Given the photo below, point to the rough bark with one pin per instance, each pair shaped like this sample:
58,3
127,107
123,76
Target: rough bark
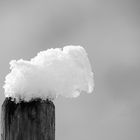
34,120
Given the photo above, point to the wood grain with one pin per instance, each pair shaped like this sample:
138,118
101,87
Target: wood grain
34,120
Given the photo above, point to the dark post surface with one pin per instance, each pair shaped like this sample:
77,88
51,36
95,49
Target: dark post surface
34,120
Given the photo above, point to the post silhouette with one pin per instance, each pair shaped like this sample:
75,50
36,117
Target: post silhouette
33,120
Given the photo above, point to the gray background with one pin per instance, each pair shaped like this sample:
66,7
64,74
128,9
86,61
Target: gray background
110,32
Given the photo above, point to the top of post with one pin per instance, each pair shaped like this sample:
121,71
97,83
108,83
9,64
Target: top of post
66,72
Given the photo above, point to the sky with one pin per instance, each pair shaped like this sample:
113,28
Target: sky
109,31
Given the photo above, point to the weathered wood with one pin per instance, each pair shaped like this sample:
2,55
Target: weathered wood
34,120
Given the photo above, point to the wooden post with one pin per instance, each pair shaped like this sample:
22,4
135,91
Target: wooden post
33,120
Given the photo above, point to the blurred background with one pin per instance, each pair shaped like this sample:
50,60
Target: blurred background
110,32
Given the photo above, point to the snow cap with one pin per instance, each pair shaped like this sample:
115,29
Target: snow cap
66,72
